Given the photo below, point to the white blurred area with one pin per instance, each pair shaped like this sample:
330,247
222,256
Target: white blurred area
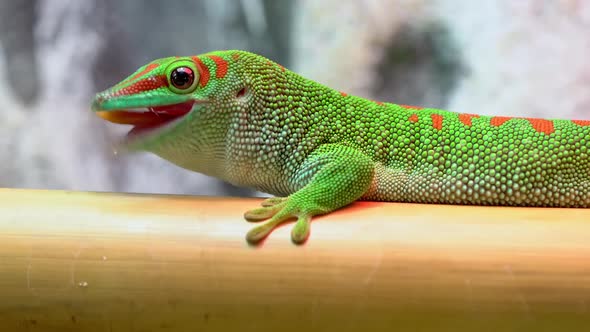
523,58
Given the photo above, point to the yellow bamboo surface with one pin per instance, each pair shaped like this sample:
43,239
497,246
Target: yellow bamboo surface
75,261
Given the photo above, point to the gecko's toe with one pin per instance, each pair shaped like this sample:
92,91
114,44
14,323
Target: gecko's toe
269,209
278,211
301,230
257,234
272,201
259,214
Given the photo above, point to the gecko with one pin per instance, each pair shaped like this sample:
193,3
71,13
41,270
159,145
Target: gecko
247,120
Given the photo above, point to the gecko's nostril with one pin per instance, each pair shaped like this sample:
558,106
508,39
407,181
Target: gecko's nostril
97,102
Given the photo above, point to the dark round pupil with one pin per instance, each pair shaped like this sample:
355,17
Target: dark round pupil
182,77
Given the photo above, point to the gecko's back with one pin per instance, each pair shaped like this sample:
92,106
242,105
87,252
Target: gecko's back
435,156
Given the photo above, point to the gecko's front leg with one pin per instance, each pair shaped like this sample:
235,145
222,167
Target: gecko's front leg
335,176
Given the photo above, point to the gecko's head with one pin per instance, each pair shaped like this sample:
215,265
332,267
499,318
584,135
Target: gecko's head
195,111
167,97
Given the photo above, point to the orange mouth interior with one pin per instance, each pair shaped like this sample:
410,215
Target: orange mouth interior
147,118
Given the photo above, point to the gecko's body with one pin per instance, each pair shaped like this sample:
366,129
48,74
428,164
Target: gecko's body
251,122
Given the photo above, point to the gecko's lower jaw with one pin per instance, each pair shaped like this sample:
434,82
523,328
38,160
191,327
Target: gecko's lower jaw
148,122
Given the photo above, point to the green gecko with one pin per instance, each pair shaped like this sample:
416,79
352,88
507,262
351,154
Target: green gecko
245,119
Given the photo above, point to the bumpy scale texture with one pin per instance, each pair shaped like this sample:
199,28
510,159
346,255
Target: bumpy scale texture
269,128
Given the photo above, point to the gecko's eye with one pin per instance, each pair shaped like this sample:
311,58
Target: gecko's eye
182,78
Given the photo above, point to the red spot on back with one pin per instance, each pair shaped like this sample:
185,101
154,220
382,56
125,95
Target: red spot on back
343,94
437,121
379,103
499,120
411,107
146,84
221,66
466,118
413,118
542,125
235,56
582,122
270,63
204,74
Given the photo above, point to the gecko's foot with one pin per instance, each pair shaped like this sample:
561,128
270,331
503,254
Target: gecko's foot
278,210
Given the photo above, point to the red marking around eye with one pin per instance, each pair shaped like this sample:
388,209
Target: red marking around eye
413,118
203,71
343,94
582,122
542,125
437,121
411,107
146,70
146,84
221,66
465,118
499,120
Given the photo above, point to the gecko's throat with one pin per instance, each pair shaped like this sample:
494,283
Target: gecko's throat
149,119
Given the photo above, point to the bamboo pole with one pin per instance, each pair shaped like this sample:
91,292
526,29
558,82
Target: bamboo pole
75,261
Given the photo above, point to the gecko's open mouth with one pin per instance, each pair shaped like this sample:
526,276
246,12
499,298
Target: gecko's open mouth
147,119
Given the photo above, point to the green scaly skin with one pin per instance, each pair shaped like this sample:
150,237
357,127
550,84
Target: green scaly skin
257,124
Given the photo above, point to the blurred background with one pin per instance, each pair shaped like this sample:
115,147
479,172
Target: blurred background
496,57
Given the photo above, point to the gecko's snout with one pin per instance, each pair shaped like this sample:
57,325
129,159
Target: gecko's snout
97,102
